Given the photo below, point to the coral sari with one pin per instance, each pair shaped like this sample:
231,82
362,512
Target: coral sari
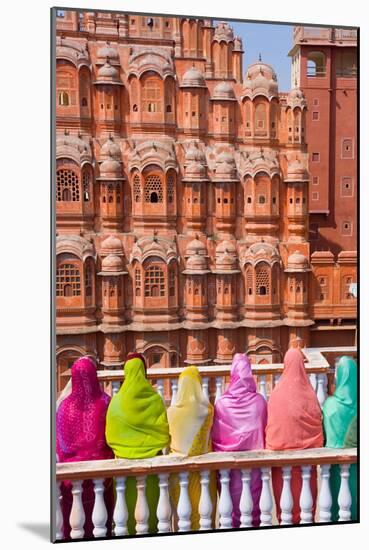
340,427
239,424
80,435
294,422
137,427
190,419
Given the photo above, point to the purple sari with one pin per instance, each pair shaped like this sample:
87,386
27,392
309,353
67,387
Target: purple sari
80,435
240,418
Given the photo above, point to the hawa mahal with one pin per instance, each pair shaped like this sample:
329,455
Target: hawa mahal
200,211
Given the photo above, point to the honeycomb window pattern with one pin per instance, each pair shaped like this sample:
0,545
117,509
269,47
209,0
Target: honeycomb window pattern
262,281
67,186
137,188
170,188
154,282
68,280
153,189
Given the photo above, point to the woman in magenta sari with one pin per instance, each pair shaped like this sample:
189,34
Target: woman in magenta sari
80,435
240,418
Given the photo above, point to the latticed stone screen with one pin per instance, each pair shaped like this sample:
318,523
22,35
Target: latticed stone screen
262,280
137,188
137,282
153,189
249,280
67,186
154,281
86,185
88,279
170,187
68,280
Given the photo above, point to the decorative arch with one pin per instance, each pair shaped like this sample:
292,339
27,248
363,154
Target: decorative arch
316,64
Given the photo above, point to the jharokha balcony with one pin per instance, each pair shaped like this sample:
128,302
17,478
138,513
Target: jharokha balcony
319,364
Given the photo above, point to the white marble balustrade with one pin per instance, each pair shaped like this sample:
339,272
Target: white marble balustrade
170,520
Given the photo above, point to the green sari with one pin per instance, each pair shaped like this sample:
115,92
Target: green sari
340,428
137,427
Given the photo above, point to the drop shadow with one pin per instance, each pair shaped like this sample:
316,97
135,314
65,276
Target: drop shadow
42,530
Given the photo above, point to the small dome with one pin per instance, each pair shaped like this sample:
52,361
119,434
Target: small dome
195,154
196,247
108,52
260,79
224,91
110,168
297,261
112,263
110,149
223,31
225,165
296,98
108,73
112,245
225,246
193,78
296,171
196,262
195,170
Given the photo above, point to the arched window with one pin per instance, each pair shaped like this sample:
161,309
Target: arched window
63,99
262,279
67,185
170,187
316,64
260,117
322,289
84,102
88,277
151,95
262,199
86,185
68,280
137,187
153,189
154,281
172,283
137,282
249,280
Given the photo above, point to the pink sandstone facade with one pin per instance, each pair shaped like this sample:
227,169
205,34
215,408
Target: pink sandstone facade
182,200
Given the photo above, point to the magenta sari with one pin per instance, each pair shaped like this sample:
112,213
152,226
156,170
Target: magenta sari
80,435
240,418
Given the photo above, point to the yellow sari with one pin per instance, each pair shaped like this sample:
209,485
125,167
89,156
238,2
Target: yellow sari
190,420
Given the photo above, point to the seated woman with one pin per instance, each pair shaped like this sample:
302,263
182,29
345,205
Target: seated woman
340,428
239,424
190,419
294,422
80,435
137,427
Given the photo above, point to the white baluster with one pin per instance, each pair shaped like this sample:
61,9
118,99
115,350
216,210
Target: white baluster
313,381
225,501
58,515
306,498
184,504
320,391
246,502
160,388
266,501
344,495
164,510
120,511
218,386
174,384
325,497
205,504
99,513
262,386
286,502
142,508
205,387
77,515
115,385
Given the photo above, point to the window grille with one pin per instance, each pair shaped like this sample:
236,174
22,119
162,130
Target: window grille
68,280
67,179
170,187
153,189
154,281
262,281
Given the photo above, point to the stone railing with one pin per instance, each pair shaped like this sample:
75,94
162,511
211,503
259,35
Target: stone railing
215,377
179,519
